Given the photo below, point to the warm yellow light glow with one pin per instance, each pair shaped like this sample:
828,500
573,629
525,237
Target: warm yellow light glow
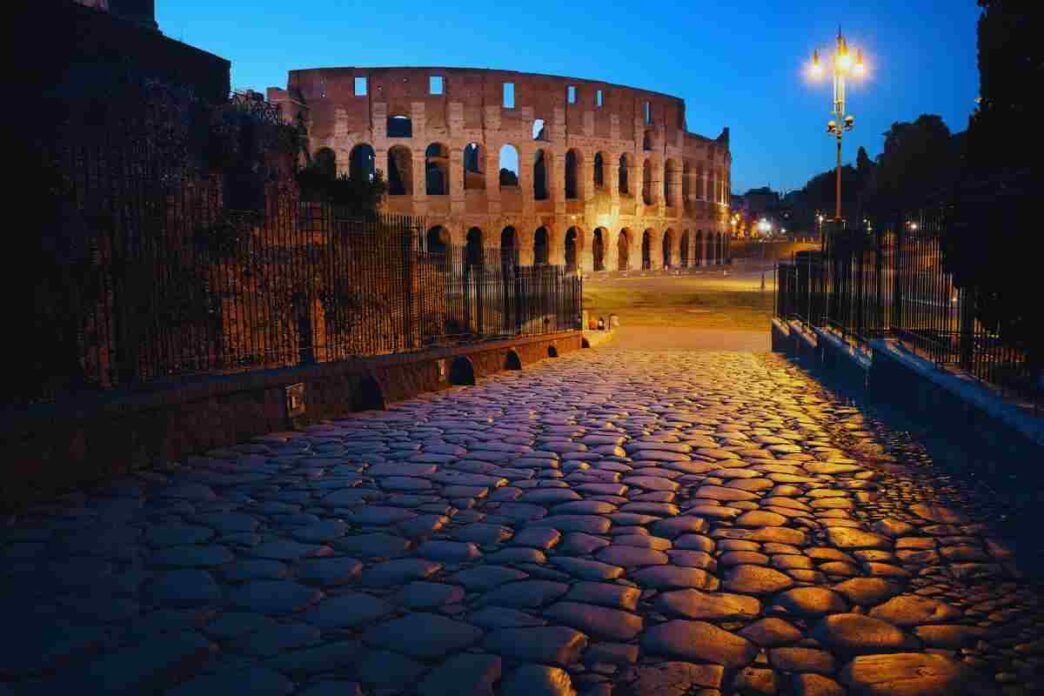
844,62
815,68
860,66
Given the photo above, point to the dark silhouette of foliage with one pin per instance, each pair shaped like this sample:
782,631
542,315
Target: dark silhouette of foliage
997,206
358,196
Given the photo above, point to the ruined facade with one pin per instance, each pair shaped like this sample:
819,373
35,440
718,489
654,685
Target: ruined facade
583,173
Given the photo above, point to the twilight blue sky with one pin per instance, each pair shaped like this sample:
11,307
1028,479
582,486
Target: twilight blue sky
736,63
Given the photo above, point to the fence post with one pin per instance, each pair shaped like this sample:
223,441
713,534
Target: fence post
897,279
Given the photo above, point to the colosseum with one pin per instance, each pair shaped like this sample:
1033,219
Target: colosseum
550,169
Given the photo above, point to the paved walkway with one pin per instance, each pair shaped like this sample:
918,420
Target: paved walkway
657,523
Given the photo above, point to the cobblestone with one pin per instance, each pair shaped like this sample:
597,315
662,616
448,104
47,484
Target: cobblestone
604,523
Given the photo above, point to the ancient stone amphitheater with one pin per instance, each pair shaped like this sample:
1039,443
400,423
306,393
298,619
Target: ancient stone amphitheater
549,169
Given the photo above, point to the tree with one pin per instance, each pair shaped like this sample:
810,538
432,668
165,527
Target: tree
998,198
916,169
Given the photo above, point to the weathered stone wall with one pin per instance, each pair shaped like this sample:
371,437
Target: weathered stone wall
678,182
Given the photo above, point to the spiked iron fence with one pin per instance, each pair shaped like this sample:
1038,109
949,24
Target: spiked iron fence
891,282
161,286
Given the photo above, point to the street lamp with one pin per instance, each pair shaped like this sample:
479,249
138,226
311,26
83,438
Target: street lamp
842,65
764,226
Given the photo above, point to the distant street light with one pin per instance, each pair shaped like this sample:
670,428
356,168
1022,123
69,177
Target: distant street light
842,65
764,226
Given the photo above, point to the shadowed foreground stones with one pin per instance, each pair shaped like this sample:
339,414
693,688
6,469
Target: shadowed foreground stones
555,645
600,622
423,635
698,641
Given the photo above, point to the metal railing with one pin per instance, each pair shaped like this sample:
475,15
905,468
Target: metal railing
872,282
166,282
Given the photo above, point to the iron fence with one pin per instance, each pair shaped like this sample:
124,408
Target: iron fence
165,281
890,281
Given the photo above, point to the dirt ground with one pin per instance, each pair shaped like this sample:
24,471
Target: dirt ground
710,309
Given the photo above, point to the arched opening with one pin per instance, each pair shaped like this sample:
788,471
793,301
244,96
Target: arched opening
646,250
512,361
325,161
473,248
669,170
598,242
367,395
437,239
647,141
539,129
462,371
436,169
686,186
474,174
400,174
683,250
623,250
541,245
599,171
508,248
362,162
647,183
572,177
572,248
552,351
668,244
540,176
622,175
400,126
697,254
720,249
508,165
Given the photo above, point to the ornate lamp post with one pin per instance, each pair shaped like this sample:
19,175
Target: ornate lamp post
842,65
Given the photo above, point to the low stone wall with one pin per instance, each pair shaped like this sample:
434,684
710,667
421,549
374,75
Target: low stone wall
54,447
890,374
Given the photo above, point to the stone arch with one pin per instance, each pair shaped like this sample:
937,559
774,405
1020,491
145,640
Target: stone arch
474,167
698,253
670,168
686,185
647,182
667,246
598,171
683,249
436,169
647,140
399,126
368,395
325,160
623,250
462,371
598,243
473,247
572,174
362,162
541,246
437,240
573,246
540,176
509,166
623,175
647,242
400,171
509,247
512,361
540,130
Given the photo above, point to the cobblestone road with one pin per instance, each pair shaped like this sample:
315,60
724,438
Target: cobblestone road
654,523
